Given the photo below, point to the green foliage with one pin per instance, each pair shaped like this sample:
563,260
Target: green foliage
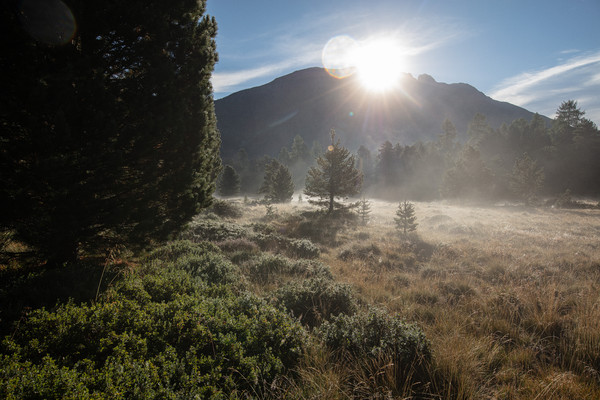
336,176
172,251
209,267
468,178
270,211
527,179
376,333
364,209
299,151
313,269
24,288
267,267
214,231
278,186
159,334
109,137
229,183
226,209
406,220
316,299
303,248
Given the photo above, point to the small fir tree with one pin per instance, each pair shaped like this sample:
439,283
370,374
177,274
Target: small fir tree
335,176
364,209
229,184
406,218
278,186
271,211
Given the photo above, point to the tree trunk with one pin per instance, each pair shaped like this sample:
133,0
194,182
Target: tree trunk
330,203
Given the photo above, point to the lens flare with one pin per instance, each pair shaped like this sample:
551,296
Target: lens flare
47,21
338,56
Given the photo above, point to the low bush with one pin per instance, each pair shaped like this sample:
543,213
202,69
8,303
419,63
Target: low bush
316,299
375,333
303,248
226,209
266,267
172,251
213,230
210,267
312,268
159,335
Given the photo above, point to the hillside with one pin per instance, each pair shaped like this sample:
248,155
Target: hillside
310,102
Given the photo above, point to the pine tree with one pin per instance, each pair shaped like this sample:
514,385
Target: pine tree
229,184
364,209
469,177
299,150
406,218
108,131
568,118
527,178
335,176
278,186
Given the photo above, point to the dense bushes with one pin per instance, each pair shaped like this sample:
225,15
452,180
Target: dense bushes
316,299
161,332
226,209
263,236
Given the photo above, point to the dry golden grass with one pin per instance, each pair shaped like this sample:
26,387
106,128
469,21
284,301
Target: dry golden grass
508,296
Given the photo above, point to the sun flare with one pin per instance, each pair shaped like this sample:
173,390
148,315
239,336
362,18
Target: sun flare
378,62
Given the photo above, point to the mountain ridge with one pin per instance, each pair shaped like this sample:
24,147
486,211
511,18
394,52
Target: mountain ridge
310,102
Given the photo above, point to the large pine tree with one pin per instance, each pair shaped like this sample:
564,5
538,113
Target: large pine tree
108,131
335,176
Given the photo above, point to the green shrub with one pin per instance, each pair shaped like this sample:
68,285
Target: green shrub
189,341
316,299
211,268
226,209
260,227
381,350
303,248
214,231
267,266
176,249
376,333
312,268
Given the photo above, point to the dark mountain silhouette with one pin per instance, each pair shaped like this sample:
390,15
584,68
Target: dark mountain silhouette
310,102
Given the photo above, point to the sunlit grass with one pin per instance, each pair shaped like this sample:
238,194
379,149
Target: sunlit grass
509,296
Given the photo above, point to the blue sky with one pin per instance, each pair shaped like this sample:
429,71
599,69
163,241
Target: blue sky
532,53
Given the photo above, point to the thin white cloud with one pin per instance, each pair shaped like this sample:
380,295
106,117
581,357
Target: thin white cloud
301,45
227,81
543,91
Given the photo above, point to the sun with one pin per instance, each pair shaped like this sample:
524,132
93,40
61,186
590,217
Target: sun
379,64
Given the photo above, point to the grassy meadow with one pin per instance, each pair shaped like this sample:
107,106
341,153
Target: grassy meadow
255,301
509,296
